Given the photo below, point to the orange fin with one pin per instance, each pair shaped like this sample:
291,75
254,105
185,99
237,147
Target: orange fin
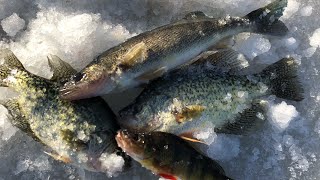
167,176
188,136
59,157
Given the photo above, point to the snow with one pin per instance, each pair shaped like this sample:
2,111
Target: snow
12,24
285,147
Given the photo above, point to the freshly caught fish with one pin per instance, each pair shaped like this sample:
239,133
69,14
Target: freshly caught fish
149,55
190,100
81,133
169,156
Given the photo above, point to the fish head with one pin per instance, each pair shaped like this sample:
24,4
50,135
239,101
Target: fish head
134,144
90,82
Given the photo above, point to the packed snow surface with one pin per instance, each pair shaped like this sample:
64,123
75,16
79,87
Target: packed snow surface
287,146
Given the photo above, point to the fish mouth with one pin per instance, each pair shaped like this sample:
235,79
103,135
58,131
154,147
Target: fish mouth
130,144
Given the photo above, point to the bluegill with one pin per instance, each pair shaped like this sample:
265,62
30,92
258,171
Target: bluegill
169,156
81,132
151,54
196,97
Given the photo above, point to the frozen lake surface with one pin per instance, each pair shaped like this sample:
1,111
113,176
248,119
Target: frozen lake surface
287,147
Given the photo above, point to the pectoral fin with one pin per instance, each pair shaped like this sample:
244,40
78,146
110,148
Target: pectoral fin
248,120
188,136
167,176
58,157
61,70
136,54
225,43
189,112
152,74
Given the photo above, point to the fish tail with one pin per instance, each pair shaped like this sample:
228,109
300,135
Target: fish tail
266,19
8,62
281,77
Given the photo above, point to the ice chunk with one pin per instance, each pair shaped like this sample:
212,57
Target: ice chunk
291,43
282,114
309,52
306,11
291,9
315,38
12,24
6,128
252,45
112,163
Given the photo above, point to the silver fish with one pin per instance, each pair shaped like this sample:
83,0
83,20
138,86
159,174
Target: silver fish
81,133
149,55
195,98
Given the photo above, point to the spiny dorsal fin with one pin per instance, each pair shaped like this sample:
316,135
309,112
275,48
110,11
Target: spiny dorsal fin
247,120
8,59
61,70
137,54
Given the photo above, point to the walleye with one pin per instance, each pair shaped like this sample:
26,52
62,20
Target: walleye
169,156
149,55
189,100
81,133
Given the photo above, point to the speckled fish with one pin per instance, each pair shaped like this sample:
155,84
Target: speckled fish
169,156
190,100
81,133
149,55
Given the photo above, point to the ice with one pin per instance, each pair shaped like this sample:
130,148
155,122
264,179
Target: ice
112,163
315,38
286,147
306,11
282,114
12,24
252,45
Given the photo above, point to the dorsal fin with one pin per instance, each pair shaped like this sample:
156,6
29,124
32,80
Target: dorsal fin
61,70
8,59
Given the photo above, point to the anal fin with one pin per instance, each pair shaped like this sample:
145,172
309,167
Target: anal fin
58,157
167,176
248,120
188,136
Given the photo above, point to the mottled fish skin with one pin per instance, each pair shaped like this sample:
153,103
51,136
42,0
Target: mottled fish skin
198,97
169,156
76,132
163,49
222,97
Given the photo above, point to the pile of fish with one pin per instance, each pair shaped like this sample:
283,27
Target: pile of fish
192,80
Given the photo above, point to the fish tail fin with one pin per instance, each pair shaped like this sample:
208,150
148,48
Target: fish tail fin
8,62
281,77
266,19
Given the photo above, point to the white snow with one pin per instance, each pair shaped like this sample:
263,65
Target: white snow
315,38
306,11
286,147
12,24
282,114
112,163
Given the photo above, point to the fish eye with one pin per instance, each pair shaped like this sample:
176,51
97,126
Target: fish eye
78,76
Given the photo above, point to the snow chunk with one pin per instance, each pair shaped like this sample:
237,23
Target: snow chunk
315,38
6,128
252,45
306,11
309,52
291,9
12,24
111,163
282,114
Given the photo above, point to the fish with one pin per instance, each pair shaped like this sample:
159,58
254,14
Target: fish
189,100
80,133
153,53
169,156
